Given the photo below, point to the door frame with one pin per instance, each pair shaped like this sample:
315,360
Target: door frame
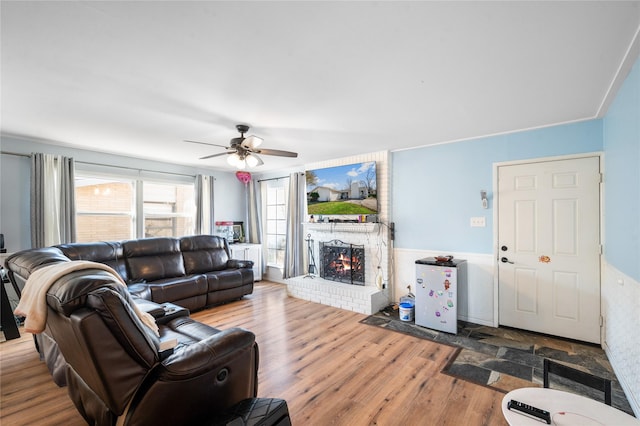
494,204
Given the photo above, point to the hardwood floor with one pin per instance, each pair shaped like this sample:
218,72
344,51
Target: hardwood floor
330,369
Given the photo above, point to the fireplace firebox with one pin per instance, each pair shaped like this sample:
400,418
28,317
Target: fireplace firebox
342,262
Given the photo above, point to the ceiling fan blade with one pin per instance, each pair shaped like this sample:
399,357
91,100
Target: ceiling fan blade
215,155
252,142
205,143
277,152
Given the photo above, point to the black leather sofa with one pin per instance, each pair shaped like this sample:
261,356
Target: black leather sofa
157,273
115,368
193,272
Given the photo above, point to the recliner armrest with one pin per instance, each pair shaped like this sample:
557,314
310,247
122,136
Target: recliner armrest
153,308
206,355
239,264
139,291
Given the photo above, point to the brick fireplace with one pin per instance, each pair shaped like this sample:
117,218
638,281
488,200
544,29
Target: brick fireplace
373,238
364,297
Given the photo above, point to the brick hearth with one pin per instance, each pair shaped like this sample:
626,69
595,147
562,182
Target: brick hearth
366,300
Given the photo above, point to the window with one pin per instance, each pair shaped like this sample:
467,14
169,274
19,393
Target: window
169,209
275,205
108,208
105,209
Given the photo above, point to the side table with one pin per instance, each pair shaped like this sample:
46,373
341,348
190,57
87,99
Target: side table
7,319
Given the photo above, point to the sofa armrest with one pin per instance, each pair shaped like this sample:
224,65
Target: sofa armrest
239,264
139,291
155,309
206,355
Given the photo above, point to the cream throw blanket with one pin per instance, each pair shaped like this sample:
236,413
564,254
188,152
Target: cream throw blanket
33,302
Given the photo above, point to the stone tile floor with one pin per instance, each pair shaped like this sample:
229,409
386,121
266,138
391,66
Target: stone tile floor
506,358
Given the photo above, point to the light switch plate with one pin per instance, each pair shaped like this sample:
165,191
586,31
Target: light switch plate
478,222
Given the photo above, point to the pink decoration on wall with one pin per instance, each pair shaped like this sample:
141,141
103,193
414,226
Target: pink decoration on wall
244,177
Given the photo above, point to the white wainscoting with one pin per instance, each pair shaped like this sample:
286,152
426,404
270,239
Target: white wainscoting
476,303
621,332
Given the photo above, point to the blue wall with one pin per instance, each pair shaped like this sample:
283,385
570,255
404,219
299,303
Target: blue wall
436,189
622,177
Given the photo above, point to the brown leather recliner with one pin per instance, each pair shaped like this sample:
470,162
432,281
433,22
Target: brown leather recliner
114,366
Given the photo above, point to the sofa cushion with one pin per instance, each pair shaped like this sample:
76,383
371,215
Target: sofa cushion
177,288
230,278
109,253
185,330
152,259
204,253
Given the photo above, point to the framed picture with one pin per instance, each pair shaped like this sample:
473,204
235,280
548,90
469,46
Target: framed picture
238,232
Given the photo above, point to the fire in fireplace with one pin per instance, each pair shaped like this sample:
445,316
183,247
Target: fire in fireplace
342,262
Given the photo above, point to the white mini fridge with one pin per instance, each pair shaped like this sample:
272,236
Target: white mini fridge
437,285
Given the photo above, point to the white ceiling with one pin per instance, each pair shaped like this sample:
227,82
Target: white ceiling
325,79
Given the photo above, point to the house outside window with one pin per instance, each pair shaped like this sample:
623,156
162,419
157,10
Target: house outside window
120,208
275,208
169,209
105,209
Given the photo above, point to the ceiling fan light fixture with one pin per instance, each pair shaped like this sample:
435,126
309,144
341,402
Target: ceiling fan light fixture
252,141
251,160
233,159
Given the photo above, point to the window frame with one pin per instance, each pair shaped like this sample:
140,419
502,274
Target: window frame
103,213
138,179
283,188
168,215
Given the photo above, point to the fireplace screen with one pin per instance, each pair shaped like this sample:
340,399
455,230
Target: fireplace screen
342,262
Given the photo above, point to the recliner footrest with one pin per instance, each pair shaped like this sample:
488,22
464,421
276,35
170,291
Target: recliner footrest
257,412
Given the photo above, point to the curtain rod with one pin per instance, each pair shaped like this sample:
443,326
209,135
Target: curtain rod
275,178
134,168
17,154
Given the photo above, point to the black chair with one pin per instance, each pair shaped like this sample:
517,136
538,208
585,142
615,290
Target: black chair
587,379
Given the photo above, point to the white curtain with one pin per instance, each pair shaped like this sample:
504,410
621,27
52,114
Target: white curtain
261,188
204,204
294,248
254,219
52,200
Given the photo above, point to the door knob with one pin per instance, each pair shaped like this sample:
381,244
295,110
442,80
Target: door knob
505,260
504,248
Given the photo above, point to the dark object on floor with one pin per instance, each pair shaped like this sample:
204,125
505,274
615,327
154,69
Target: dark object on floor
599,383
8,321
256,412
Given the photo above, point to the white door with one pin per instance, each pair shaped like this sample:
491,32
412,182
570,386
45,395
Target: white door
549,247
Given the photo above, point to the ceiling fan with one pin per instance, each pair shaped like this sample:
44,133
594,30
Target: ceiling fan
242,152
